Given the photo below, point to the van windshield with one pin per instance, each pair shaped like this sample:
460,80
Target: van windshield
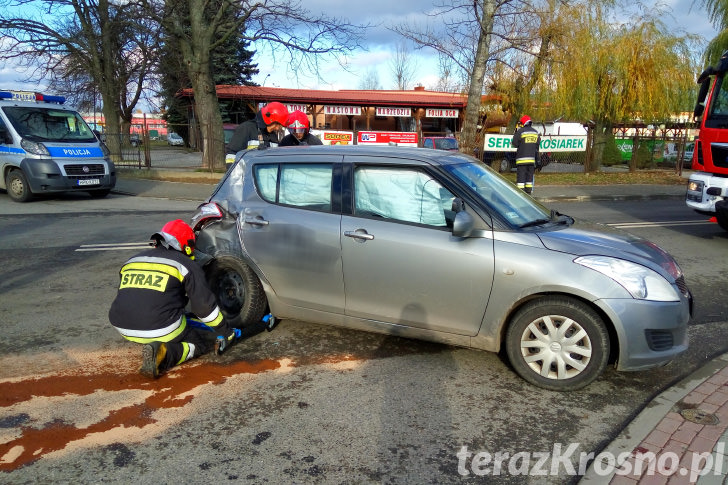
49,125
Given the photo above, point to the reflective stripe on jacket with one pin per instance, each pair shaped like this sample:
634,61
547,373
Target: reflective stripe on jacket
154,289
526,141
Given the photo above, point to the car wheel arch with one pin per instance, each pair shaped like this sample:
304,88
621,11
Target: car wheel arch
558,342
608,323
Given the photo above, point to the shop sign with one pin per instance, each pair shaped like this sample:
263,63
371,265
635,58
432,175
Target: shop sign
441,113
385,111
549,143
387,138
342,110
329,137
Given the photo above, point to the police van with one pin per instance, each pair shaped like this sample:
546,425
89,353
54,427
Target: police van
47,147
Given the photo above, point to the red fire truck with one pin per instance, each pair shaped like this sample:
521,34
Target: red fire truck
708,186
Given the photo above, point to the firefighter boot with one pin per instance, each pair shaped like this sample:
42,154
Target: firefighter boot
152,357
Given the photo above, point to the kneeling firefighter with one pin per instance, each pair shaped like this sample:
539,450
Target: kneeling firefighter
155,287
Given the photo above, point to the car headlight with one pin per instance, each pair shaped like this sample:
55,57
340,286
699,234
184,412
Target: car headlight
34,147
641,282
695,186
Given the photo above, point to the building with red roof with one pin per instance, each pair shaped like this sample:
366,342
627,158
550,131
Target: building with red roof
417,110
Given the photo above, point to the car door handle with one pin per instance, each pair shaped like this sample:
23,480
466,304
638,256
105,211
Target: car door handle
359,235
256,221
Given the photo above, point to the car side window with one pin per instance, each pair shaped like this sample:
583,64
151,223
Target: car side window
302,185
402,194
428,144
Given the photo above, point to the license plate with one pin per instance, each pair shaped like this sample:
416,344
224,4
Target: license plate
89,182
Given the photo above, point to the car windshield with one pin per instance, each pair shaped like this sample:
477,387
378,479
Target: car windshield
500,195
46,124
446,143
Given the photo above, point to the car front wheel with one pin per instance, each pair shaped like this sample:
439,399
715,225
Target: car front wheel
237,289
558,343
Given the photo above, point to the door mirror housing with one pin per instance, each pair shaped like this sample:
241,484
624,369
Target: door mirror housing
463,224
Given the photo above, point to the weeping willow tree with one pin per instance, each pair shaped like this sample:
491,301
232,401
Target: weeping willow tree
718,14
608,73
520,74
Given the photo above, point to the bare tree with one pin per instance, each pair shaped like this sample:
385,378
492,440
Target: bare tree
446,81
402,68
461,31
291,31
370,80
97,45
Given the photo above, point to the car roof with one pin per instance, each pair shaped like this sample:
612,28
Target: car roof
390,154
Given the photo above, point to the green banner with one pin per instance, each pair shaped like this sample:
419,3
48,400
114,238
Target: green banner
549,143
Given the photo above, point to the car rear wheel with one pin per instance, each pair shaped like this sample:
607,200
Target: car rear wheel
558,343
237,289
17,186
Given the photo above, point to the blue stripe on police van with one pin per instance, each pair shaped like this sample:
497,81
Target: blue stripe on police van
75,152
4,149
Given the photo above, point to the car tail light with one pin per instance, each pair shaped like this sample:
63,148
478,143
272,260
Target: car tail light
206,212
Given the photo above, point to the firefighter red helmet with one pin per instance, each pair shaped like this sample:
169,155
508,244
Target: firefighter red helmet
275,112
298,122
176,234
524,119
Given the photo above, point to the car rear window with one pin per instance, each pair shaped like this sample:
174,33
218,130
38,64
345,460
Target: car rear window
301,185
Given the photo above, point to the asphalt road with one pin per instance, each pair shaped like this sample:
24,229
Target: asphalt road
305,403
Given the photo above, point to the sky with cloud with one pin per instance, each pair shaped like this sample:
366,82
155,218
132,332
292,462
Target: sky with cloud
380,42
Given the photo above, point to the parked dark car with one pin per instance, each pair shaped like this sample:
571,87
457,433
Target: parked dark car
433,245
135,140
507,160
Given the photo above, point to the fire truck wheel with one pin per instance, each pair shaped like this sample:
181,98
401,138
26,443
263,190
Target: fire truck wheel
722,217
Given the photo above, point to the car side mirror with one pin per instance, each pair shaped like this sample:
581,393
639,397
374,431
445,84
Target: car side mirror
463,224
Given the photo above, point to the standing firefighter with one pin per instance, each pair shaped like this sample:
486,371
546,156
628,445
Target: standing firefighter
154,290
526,141
298,125
265,131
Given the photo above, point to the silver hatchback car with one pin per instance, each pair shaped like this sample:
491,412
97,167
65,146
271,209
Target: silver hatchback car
434,245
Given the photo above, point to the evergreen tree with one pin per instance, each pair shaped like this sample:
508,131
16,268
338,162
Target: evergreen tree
231,65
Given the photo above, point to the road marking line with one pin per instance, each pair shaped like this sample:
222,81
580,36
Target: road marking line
114,246
624,225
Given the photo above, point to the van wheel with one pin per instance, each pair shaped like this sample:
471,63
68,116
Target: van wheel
17,186
505,165
237,289
558,343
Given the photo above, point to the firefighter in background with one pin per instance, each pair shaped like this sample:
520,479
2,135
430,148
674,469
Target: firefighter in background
266,130
298,126
155,288
526,141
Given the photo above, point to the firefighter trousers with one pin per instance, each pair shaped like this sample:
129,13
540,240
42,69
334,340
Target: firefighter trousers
525,173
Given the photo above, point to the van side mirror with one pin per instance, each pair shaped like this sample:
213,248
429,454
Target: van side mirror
463,224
